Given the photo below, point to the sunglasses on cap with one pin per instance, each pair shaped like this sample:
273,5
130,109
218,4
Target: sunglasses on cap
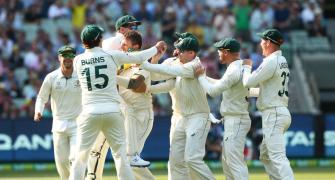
222,49
131,26
177,41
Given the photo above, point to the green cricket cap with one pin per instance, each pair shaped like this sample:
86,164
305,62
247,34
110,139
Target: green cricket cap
91,32
188,44
273,35
126,20
230,44
67,51
184,35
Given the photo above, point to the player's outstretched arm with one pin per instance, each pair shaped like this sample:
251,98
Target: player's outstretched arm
216,88
138,57
185,70
162,87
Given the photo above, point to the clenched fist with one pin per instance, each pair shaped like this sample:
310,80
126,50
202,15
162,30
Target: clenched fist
161,47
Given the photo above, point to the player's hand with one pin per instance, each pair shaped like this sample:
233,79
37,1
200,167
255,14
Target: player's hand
247,62
161,47
37,117
199,69
176,52
157,57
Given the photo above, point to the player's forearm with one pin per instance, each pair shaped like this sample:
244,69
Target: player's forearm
211,80
247,79
211,89
261,74
43,95
175,70
159,77
138,57
39,105
162,87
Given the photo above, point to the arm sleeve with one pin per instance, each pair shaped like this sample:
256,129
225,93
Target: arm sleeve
214,89
43,95
144,73
162,87
211,80
133,58
122,81
159,77
185,70
262,73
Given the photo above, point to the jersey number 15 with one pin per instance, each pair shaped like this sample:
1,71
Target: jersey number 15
105,78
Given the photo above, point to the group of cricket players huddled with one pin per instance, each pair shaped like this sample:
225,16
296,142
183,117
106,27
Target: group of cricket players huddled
102,99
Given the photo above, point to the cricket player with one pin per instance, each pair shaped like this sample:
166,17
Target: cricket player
138,113
190,120
234,107
63,87
99,151
272,76
123,25
97,70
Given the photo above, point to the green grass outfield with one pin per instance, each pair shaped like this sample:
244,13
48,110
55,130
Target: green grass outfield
320,173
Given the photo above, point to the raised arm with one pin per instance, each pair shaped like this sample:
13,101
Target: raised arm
158,76
262,73
42,98
215,89
212,86
137,57
184,70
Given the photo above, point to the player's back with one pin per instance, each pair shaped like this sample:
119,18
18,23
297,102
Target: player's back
274,91
97,71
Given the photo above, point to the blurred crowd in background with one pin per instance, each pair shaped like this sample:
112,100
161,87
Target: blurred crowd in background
31,31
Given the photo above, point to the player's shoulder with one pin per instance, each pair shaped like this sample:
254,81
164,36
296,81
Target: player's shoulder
170,60
112,43
79,56
52,75
238,64
108,39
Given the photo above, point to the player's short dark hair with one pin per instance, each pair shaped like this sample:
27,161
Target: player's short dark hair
93,43
134,37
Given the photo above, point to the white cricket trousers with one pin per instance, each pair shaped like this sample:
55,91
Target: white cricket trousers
188,136
236,128
112,126
64,147
138,124
275,121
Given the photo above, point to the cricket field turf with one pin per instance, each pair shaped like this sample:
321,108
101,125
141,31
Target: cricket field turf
255,174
